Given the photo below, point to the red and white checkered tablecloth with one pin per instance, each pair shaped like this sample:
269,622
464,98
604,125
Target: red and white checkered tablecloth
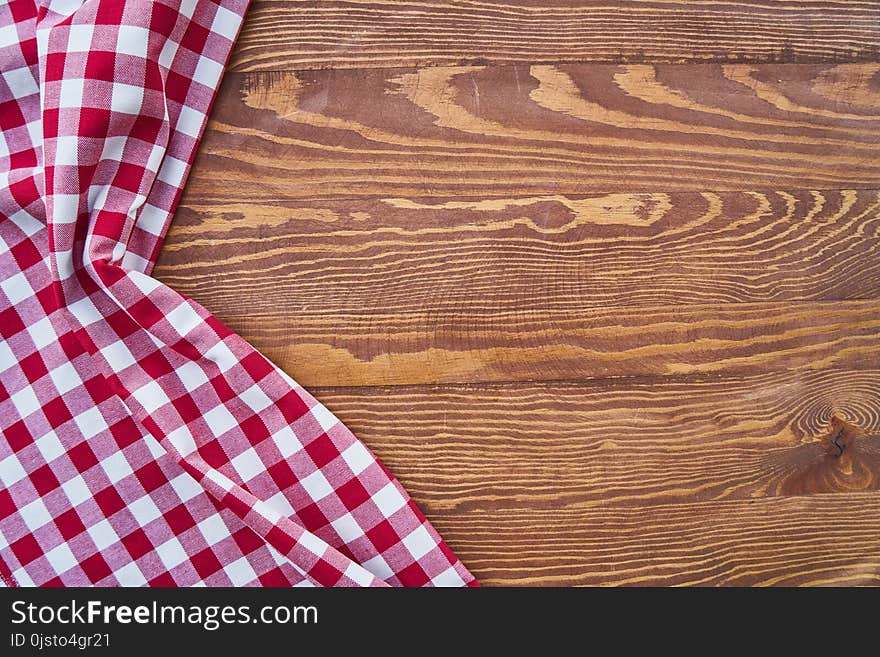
144,443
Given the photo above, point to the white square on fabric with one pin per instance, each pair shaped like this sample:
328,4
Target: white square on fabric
67,150
379,567
85,311
171,553
357,457
240,572
11,471
448,577
248,464
50,446
21,82
76,490
226,23
169,50
132,261
17,288
280,502
347,528
358,574
126,98
90,422
65,208
255,398
152,219
61,558
183,319
144,510
287,442
117,467
42,333
208,72
65,377
130,575
183,441
324,417
172,171
419,542
220,420
71,94
222,356
7,358
25,401
191,375
151,396
133,40
313,544
21,576
79,38
388,499
190,122
103,534
118,355
213,529
186,487
316,485
187,8
36,515
221,480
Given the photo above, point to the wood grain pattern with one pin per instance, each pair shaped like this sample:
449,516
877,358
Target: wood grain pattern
828,540
598,280
699,480
521,254
429,347
452,132
634,442
290,34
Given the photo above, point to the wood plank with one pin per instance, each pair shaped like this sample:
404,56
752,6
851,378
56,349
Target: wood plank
829,540
291,34
439,346
452,132
464,449
522,253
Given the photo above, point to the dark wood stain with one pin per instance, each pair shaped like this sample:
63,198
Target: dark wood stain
598,281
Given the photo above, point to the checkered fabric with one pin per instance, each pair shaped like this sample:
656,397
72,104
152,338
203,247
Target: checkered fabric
144,442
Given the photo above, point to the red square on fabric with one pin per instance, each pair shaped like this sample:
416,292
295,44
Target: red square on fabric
18,436
56,412
137,543
383,536
95,567
33,367
322,450
26,549
206,562
109,501
25,253
312,517
353,494
179,519
325,573
70,524
82,456
44,480
10,323
413,575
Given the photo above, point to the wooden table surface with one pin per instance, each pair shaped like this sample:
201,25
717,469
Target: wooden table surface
598,280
